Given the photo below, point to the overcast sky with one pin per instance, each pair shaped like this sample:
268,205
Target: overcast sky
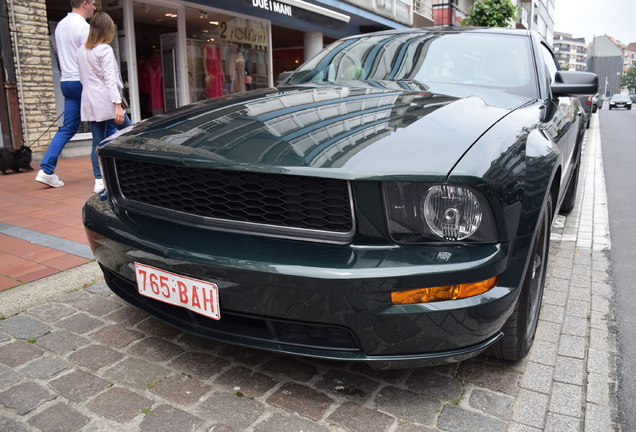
589,18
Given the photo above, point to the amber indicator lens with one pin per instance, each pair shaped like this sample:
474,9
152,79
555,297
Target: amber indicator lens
441,293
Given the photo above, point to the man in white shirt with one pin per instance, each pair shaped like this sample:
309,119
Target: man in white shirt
70,34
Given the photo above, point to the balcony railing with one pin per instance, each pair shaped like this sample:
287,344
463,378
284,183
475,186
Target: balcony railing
523,17
423,7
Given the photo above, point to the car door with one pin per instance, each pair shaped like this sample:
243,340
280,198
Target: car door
563,127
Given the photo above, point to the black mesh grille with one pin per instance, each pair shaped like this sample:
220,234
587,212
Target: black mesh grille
260,198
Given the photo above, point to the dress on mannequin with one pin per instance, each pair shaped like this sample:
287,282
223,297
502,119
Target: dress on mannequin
213,71
238,72
156,84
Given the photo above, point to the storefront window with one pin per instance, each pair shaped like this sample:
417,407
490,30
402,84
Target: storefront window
226,54
157,60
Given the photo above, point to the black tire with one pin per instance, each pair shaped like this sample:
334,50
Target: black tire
587,123
570,194
521,327
610,107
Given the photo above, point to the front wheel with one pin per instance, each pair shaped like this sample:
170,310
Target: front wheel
521,327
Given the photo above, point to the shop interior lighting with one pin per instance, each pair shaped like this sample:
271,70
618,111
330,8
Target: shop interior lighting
214,22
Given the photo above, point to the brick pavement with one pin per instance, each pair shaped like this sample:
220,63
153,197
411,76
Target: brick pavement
41,230
88,362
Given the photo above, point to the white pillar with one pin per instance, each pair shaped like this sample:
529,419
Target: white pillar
312,44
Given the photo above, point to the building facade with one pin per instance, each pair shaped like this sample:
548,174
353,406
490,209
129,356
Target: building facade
172,53
629,60
606,59
570,52
535,15
423,13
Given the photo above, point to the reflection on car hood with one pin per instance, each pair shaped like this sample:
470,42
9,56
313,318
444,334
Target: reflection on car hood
333,131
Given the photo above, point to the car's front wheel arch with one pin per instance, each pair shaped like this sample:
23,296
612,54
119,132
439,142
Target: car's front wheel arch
520,328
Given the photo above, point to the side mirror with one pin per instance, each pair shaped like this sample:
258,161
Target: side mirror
574,83
281,77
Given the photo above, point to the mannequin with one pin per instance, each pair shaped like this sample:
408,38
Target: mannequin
238,72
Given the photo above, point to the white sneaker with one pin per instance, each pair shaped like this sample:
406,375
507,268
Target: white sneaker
49,179
99,185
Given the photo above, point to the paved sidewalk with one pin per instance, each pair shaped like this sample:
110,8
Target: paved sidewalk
41,230
80,359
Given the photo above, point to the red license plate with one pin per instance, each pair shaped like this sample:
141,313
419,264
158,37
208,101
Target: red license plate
196,295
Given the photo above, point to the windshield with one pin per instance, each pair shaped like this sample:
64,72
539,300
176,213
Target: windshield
501,62
620,97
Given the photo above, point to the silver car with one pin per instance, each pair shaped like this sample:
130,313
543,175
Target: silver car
597,102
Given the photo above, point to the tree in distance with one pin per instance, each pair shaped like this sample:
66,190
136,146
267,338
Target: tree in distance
491,13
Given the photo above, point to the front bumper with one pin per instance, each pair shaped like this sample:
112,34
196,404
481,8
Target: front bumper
316,300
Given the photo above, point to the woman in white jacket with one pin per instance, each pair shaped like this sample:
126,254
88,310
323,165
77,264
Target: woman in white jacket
101,86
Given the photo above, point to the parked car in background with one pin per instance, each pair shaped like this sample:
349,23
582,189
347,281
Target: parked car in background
390,203
620,101
586,105
597,102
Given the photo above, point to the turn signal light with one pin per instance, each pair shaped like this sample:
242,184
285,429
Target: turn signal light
441,293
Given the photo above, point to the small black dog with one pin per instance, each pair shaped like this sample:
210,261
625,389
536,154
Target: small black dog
15,159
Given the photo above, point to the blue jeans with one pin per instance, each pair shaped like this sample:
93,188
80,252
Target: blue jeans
101,131
72,91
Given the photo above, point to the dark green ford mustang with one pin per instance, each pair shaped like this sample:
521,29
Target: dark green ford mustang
390,202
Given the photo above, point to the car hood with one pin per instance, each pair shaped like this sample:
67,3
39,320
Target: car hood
380,131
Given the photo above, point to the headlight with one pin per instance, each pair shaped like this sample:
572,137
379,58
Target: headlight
420,213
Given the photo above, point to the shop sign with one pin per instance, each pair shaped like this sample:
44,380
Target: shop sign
243,30
273,6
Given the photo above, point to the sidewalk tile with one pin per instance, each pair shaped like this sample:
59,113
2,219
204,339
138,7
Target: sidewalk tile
65,262
119,404
181,389
297,398
79,386
25,397
59,417
166,418
7,282
356,418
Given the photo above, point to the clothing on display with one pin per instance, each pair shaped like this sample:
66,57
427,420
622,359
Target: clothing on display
238,72
156,85
213,71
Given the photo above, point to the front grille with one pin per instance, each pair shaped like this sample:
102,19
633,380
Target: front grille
286,202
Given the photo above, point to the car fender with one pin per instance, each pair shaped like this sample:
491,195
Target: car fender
515,167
